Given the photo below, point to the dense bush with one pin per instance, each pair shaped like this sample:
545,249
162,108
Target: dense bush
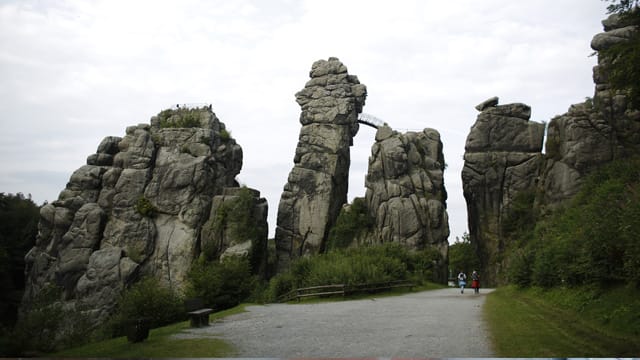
371,264
46,325
150,300
592,241
221,284
351,222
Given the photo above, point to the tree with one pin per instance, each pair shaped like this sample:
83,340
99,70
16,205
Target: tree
19,217
462,255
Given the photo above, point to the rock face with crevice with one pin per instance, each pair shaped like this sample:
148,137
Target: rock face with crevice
317,185
405,193
503,153
137,208
502,158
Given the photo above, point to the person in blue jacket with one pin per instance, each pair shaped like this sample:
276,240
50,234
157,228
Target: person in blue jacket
462,281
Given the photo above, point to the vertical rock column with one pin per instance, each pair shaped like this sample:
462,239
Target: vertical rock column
406,194
502,159
318,183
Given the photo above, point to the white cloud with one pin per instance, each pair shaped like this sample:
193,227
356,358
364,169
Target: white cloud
75,71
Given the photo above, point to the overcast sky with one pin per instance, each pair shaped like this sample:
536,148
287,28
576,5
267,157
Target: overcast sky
73,72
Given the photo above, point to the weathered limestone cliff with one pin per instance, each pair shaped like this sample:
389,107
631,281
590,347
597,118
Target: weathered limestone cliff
406,194
136,209
317,185
503,153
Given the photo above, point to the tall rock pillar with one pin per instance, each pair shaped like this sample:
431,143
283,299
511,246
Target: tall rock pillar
318,183
502,159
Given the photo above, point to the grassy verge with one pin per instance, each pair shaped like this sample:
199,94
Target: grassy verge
564,322
159,344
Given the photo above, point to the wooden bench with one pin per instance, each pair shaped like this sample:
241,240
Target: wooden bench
198,314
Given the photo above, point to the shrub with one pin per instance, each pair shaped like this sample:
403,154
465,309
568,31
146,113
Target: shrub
351,222
593,241
180,118
42,320
46,325
223,284
520,269
521,215
148,299
370,264
225,135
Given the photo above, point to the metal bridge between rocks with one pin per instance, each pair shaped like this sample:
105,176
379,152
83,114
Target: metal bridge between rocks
370,120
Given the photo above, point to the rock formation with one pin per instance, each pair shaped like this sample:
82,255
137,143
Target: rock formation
317,185
594,132
503,156
237,226
136,209
405,191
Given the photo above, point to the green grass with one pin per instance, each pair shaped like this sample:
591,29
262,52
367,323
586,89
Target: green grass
159,344
563,322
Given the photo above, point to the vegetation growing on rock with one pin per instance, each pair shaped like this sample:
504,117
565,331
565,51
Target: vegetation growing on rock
591,241
353,221
180,118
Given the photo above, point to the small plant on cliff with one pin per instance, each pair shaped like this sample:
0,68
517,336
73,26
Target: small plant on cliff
225,134
145,208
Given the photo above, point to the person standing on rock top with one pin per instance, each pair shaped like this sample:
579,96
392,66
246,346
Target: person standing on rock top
462,281
475,282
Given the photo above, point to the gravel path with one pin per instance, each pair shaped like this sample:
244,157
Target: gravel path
438,323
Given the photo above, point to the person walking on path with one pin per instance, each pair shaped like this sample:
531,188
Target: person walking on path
462,281
475,282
